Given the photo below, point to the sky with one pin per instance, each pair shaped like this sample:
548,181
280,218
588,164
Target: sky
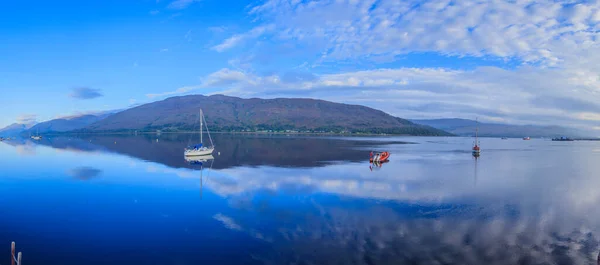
518,61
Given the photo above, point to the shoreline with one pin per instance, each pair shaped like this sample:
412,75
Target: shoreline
243,133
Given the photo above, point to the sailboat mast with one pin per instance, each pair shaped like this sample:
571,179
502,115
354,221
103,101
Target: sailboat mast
200,125
207,131
476,131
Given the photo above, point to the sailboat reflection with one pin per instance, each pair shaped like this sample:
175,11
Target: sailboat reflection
201,160
198,160
476,157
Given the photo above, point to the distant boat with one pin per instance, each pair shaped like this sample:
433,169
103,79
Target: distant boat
476,148
200,149
562,139
504,138
526,138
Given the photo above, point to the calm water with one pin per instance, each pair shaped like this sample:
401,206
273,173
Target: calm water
300,200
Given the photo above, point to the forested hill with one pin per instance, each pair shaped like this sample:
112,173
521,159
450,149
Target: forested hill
224,113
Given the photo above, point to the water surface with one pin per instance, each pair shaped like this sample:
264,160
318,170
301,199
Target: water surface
299,200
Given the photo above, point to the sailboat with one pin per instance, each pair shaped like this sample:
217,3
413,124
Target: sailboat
37,136
476,148
200,149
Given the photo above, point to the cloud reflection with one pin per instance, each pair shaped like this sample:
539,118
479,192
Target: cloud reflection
415,213
84,173
27,149
227,221
380,235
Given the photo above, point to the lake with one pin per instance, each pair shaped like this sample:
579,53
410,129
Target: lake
299,200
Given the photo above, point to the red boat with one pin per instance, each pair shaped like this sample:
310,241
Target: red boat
476,149
380,157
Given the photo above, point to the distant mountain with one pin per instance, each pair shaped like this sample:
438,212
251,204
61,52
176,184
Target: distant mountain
13,130
66,124
224,113
465,127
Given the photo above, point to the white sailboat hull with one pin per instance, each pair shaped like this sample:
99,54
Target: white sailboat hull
199,152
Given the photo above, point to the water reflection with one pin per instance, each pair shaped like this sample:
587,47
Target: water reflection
475,172
200,162
233,150
23,147
312,201
376,164
381,236
84,173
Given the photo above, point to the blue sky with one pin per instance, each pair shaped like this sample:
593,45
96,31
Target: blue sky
523,62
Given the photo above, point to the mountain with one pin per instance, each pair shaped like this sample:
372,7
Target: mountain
465,127
66,124
224,113
13,130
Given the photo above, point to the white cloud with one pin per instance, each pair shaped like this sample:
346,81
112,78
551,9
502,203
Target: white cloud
27,119
179,91
226,76
548,32
222,78
164,50
181,4
239,38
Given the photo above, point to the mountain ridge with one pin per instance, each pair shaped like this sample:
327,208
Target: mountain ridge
466,127
66,124
232,114
13,129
